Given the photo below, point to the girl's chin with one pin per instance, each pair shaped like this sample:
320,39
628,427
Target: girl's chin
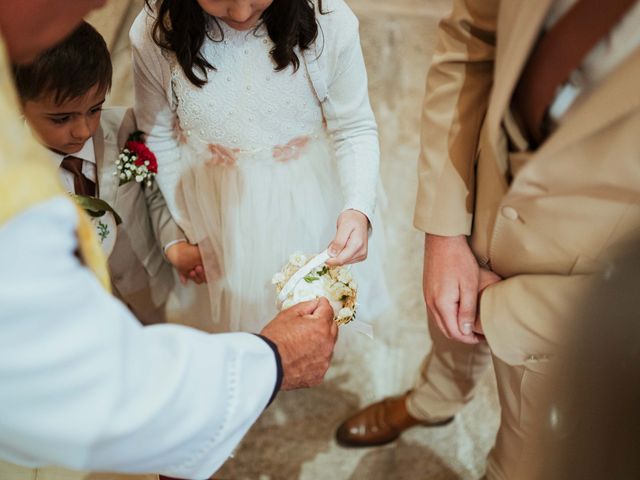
248,25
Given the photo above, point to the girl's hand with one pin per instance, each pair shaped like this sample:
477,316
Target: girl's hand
187,261
351,241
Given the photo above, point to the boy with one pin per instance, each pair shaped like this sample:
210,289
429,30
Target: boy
62,93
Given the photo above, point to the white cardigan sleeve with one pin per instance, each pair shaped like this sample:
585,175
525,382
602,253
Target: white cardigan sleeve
84,386
340,78
155,113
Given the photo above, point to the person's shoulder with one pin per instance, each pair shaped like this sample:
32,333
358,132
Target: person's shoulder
338,26
140,32
336,15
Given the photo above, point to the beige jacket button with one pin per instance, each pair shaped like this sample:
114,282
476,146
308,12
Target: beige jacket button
510,213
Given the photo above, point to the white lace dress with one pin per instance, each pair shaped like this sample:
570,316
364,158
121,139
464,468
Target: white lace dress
259,179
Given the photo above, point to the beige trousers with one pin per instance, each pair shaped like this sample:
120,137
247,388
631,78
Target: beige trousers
9,471
447,383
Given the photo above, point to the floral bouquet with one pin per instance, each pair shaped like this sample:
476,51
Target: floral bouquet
307,277
136,161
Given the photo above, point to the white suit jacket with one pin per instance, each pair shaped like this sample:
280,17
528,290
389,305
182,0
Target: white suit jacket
83,385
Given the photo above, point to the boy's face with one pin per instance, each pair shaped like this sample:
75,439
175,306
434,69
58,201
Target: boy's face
65,128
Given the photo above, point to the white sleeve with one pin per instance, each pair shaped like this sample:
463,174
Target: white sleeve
84,386
155,112
347,110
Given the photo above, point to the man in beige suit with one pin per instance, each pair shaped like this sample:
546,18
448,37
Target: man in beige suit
529,173
62,93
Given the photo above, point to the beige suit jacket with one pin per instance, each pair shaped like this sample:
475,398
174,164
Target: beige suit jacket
141,276
543,220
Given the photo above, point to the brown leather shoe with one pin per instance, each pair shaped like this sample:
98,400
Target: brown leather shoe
380,423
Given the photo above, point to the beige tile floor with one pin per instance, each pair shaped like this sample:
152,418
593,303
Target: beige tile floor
294,438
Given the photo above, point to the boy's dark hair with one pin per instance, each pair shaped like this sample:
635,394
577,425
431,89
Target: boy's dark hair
180,27
68,70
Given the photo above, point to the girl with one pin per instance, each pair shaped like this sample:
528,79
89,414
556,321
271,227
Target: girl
259,115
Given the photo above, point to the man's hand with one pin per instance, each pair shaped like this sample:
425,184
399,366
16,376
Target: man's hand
305,335
487,277
351,241
187,260
450,286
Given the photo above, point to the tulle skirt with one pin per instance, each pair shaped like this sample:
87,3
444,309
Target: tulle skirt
249,213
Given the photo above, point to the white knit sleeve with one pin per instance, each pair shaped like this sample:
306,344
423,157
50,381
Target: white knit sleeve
155,112
346,108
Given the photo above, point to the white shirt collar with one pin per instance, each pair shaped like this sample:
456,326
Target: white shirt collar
86,153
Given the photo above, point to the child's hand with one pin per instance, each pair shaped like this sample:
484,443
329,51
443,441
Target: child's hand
187,260
351,241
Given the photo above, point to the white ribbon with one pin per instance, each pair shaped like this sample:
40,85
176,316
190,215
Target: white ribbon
314,263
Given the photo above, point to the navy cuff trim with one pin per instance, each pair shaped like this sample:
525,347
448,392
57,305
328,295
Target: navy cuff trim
279,370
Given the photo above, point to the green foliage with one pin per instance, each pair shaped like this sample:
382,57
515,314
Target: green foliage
103,231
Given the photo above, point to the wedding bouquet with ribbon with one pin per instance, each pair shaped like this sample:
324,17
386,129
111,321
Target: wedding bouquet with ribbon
307,277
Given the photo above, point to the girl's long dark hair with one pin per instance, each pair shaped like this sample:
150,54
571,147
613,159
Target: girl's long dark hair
181,27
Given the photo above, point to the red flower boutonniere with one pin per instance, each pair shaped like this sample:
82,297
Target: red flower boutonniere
136,161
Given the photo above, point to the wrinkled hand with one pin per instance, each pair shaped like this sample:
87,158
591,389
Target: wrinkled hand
351,241
187,260
305,335
487,277
450,286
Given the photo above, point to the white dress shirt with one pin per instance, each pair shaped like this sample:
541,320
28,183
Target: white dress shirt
83,385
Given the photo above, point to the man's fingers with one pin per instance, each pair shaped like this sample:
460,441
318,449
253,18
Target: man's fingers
433,316
306,308
334,330
324,309
467,310
448,312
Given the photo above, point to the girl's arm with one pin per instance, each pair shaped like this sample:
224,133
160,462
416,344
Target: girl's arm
155,112
353,127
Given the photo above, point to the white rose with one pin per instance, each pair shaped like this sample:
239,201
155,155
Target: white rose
339,290
344,276
277,278
298,259
345,313
304,294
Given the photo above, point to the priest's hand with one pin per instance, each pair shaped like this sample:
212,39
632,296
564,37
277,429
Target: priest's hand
305,335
